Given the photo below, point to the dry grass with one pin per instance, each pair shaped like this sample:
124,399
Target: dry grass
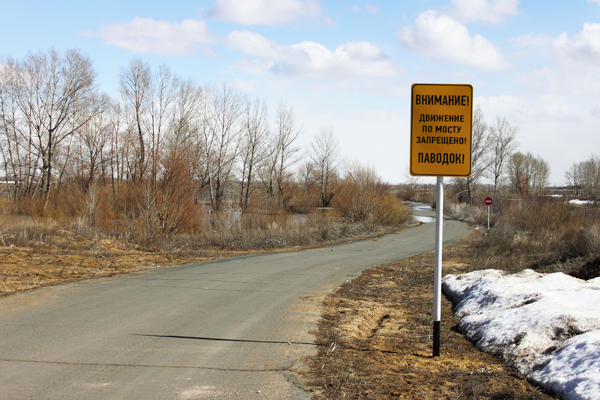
165,214
36,252
375,333
542,233
375,341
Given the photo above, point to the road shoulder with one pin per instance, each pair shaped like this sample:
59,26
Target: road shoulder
374,340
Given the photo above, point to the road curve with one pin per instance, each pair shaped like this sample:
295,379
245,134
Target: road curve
228,329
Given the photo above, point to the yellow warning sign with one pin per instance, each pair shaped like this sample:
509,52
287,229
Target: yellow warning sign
440,129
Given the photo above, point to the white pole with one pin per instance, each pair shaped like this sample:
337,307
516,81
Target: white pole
488,218
437,283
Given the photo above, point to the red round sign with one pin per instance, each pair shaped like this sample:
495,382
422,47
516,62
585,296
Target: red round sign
488,201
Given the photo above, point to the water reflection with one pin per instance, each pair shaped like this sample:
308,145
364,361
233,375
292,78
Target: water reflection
423,219
419,206
422,207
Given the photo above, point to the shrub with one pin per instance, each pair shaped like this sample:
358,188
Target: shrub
391,211
538,232
31,206
362,197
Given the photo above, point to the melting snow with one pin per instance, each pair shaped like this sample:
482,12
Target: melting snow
545,325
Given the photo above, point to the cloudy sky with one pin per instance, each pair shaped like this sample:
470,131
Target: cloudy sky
349,65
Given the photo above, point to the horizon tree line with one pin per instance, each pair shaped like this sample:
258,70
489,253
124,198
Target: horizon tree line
161,147
495,157
584,177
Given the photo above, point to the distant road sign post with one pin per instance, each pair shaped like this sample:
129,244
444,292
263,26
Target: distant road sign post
488,202
441,122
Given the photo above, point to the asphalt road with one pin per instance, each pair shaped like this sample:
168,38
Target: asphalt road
228,329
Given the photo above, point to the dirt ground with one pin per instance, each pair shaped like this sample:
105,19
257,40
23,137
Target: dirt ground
75,258
64,256
375,341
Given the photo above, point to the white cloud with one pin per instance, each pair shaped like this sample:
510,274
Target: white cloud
281,85
596,110
557,108
445,38
507,105
491,11
531,110
265,12
594,1
146,35
241,84
559,79
540,41
566,64
379,87
583,47
313,60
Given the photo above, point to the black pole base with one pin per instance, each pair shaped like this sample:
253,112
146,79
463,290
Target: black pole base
436,338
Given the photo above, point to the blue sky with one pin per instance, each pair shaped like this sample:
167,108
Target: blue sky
349,65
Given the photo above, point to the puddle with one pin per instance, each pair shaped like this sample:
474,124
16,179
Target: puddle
423,219
419,206
423,208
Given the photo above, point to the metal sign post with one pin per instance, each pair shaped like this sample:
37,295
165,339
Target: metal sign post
441,123
437,275
488,202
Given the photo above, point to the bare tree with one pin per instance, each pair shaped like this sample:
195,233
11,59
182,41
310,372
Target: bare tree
527,173
413,181
185,133
91,154
174,194
541,174
309,191
48,90
275,174
503,144
286,152
166,88
480,145
187,116
88,164
323,153
20,160
590,173
162,145
254,146
221,132
574,177
152,101
136,91
118,147
518,172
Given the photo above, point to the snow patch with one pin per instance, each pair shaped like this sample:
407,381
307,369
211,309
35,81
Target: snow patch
545,325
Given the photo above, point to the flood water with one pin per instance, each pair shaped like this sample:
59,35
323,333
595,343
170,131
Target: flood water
422,212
